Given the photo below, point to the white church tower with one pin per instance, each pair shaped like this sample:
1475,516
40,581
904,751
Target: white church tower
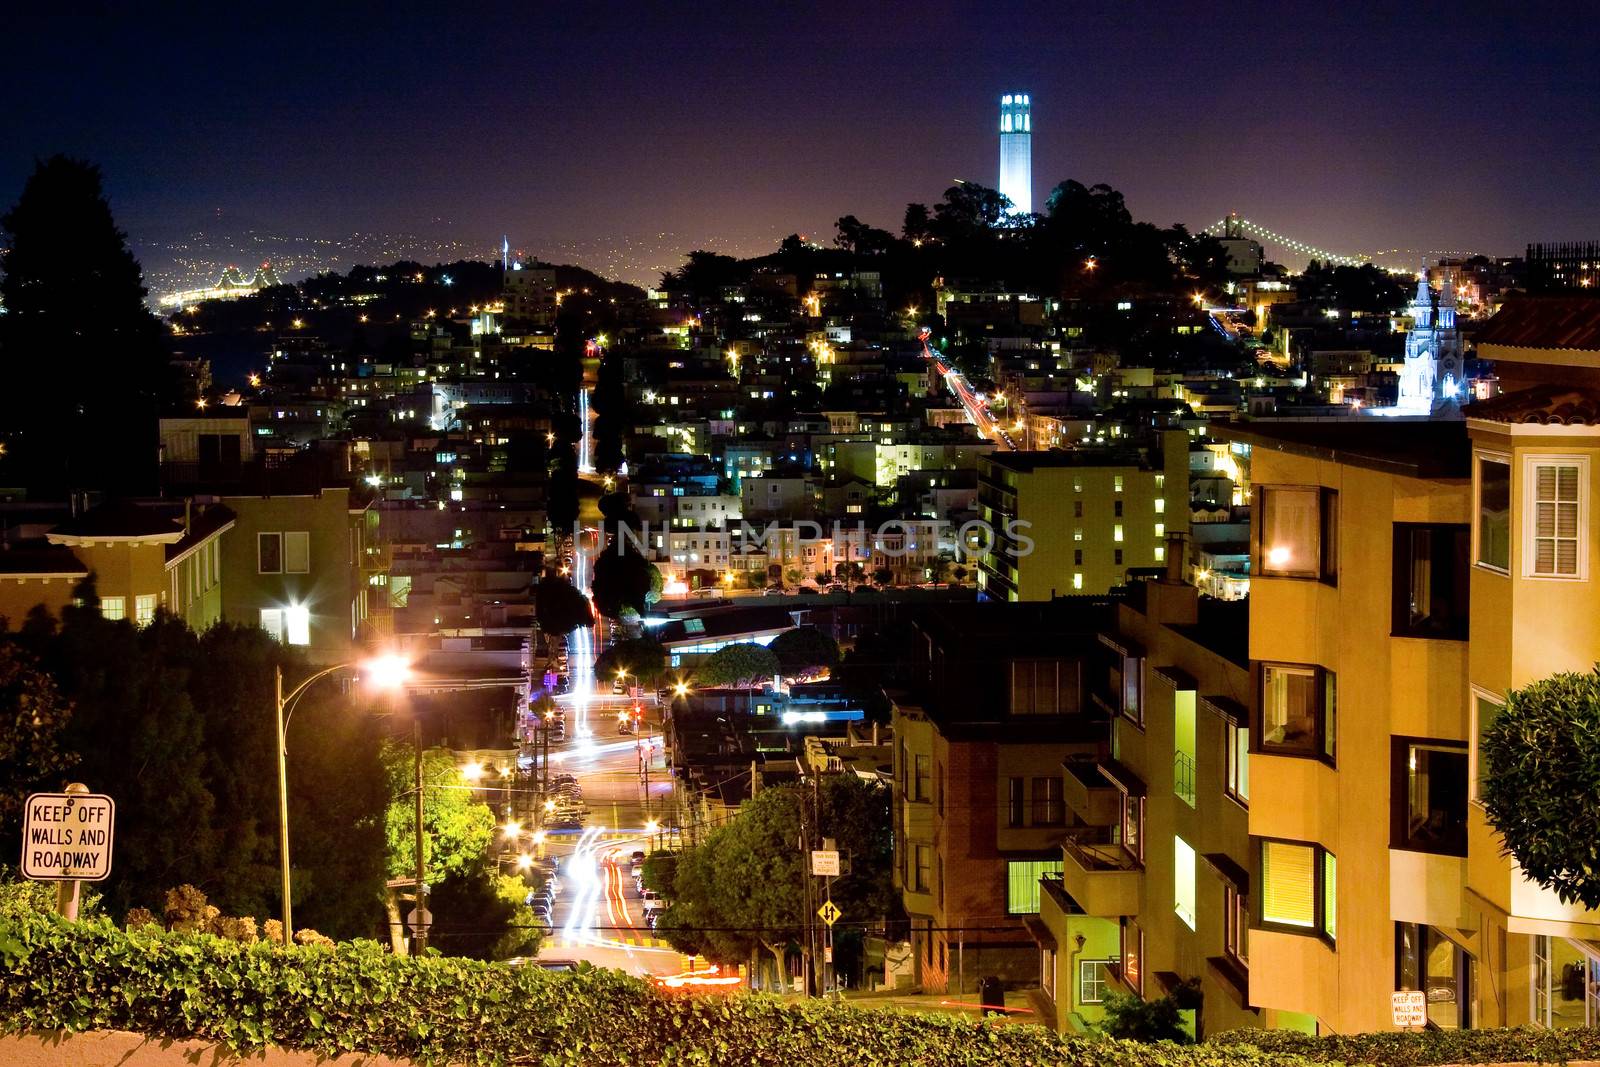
1431,375
1016,151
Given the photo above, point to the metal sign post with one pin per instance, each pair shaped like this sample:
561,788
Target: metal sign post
66,839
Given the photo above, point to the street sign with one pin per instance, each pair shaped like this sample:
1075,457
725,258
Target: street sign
419,920
1410,1007
830,912
67,837
825,861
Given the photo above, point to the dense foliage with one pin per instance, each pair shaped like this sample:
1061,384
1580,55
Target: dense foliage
84,361
739,893
178,728
1542,786
644,660
354,997
1521,1045
742,664
804,648
558,607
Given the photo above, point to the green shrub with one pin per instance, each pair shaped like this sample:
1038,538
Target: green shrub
355,997
1523,1045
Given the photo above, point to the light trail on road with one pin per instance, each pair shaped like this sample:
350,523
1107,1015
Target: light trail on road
976,413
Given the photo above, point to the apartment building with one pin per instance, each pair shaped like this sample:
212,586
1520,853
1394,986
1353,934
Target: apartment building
1535,556
1154,886
1359,733
978,805
1090,517
299,567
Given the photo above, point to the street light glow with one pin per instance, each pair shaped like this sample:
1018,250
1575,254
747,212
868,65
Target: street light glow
472,772
524,862
389,671
512,828
651,826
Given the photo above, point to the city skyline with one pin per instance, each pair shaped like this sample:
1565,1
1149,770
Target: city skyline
559,132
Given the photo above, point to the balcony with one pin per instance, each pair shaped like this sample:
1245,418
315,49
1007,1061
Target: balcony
1089,794
1103,877
1183,777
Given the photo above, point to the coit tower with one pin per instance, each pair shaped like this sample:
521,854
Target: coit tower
1016,151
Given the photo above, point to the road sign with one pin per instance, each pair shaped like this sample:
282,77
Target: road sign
67,837
1410,1007
825,861
830,912
419,920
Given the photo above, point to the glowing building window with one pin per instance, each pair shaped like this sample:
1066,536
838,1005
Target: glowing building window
114,607
1298,532
297,625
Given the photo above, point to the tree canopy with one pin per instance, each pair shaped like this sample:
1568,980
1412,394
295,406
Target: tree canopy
1541,764
178,728
741,891
622,579
558,607
643,659
83,359
742,664
804,648
33,717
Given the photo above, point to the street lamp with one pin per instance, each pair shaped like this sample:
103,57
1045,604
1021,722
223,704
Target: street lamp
384,672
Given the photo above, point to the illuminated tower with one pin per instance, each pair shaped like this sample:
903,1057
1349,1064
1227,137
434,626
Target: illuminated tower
1016,151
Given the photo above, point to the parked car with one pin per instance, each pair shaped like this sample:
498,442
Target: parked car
650,901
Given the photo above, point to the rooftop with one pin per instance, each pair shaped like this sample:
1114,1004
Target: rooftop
1412,449
1549,405
1028,462
119,519
1571,322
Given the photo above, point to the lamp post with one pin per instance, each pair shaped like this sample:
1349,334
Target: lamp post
387,671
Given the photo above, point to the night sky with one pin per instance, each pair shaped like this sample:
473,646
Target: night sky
1468,126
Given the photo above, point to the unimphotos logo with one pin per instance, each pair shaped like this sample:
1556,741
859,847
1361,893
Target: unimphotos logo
894,539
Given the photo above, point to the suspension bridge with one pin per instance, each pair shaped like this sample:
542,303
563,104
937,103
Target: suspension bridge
1394,260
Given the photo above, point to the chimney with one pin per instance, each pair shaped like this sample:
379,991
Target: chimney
1177,555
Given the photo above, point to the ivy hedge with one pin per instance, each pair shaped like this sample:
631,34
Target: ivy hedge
1521,1045
353,997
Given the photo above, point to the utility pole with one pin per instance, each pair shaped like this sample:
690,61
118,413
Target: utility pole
419,917
283,809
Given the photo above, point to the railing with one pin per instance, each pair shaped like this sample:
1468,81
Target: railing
1183,777
1098,848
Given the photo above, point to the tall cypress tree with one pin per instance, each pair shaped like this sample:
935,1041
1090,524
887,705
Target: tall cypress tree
84,360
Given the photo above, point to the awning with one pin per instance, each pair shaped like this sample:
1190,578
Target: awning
1227,707
1039,931
1118,774
1228,871
1117,643
1181,681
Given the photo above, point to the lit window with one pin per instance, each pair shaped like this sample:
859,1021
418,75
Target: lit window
114,607
144,610
297,625
1077,580
1161,505
1236,758
272,622
1116,483
1297,710
1077,533
1022,884
1183,889
1116,532
1161,529
1092,980
1298,532
1289,884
